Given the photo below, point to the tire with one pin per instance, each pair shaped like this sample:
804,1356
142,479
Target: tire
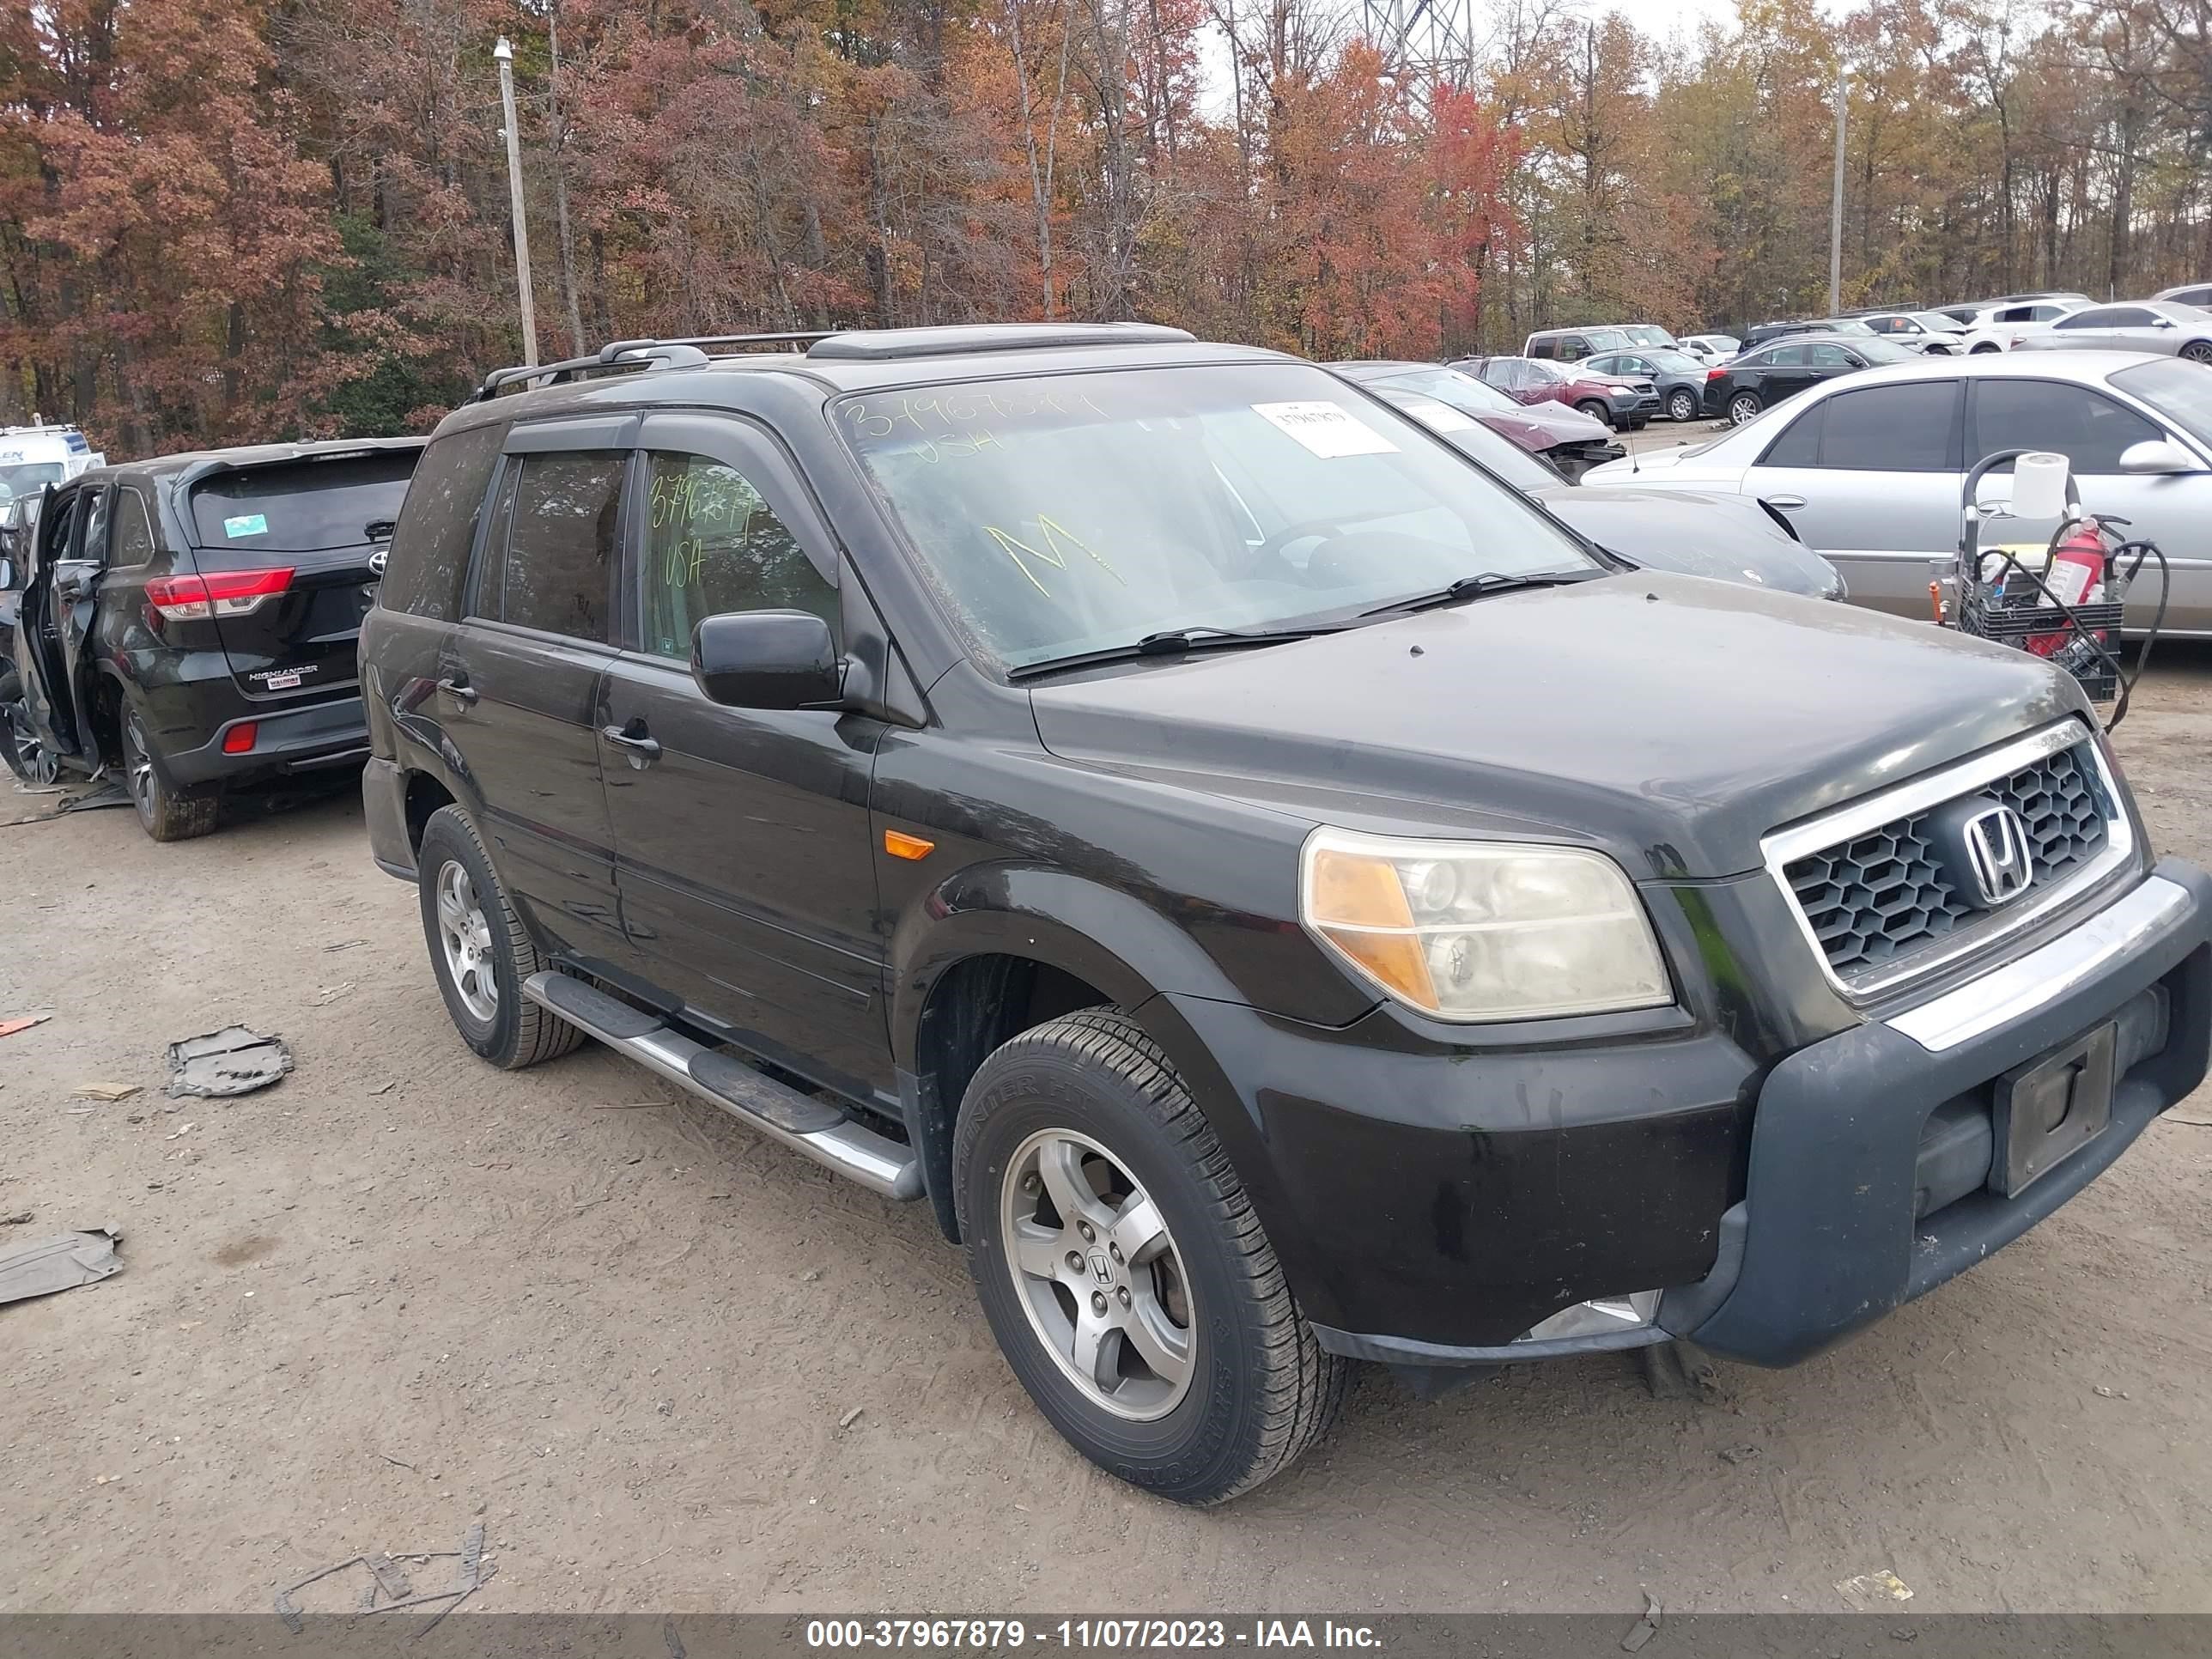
1984,350
1681,405
1742,407
2198,351
20,747
166,811
1596,410
486,1001
1090,1095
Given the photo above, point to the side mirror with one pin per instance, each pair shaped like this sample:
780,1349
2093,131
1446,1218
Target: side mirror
2156,457
767,660
6,575
2163,322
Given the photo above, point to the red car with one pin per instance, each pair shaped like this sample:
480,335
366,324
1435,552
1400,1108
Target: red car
1623,404
1571,442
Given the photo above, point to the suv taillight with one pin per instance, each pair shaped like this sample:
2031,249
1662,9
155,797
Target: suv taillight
1712,374
216,594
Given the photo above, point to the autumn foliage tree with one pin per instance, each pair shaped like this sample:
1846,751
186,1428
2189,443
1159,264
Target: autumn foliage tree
232,219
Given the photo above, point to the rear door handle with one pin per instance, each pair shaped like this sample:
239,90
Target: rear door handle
459,689
1787,503
641,748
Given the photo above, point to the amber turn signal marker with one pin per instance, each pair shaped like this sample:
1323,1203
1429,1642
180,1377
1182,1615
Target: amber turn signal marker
900,845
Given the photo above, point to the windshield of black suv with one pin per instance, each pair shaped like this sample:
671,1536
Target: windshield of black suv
1060,514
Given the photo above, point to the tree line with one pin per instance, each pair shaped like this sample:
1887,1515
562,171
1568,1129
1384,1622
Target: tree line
230,220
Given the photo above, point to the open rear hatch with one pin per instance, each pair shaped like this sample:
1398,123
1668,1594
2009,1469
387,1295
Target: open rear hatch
289,562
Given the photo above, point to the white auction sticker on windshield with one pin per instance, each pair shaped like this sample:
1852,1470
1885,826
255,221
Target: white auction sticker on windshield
1328,430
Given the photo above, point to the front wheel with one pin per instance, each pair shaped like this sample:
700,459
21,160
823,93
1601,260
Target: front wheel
165,812
1680,405
2198,351
1984,350
1596,410
1123,1270
26,757
1743,407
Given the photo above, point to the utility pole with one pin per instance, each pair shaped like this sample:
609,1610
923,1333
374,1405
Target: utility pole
505,54
1835,204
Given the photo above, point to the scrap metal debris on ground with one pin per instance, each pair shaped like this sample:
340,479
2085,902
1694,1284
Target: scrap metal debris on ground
108,794
60,1263
22,1023
104,1091
1871,1589
387,1580
1644,1628
231,1061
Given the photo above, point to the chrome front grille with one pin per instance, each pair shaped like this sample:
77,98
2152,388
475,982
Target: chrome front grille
1881,902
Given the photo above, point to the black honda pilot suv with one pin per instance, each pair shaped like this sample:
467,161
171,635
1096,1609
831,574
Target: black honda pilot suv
1279,897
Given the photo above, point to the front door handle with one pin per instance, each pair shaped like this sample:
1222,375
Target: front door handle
459,689
641,748
1787,503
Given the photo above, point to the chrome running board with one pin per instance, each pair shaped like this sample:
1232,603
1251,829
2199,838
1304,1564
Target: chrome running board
813,1127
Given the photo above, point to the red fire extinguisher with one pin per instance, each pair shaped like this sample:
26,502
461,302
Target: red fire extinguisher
2075,573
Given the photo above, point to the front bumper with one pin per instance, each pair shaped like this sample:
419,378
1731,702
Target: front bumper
1457,1207
1829,1236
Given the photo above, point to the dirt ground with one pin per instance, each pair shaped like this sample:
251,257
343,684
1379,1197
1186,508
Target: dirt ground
401,1291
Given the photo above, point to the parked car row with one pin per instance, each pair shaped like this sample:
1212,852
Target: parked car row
1241,846
1869,463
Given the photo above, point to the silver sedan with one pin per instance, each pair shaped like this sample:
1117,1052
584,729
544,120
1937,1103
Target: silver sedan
1869,465
2162,326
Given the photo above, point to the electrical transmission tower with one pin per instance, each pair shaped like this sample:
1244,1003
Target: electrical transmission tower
1424,41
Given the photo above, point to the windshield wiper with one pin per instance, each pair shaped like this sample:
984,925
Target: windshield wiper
1479,584
1175,642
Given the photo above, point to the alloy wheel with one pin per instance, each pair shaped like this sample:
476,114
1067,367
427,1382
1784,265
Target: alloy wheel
1742,407
2198,351
1682,407
40,765
466,936
1099,1273
138,768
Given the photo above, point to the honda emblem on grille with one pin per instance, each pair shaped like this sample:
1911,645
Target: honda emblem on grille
1998,855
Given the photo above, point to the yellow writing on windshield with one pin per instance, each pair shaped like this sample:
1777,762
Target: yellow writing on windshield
1057,538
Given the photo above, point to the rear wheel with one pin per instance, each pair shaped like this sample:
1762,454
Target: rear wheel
165,812
26,757
1742,407
1983,349
480,950
1681,406
1123,1270
1595,410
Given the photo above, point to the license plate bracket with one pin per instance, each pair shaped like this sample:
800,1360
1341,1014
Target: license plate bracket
2047,1110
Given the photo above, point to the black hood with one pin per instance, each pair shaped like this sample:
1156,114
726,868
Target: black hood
1671,719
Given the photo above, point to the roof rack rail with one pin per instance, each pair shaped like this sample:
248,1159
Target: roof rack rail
686,352
877,345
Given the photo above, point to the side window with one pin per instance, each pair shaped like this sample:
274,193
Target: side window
487,597
92,527
1792,356
2130,317
1573,349
1831,357
1543,347
134,533
561,544
2200,297
2086,320
1799,445
713,543
1891,428
2089,430
438,524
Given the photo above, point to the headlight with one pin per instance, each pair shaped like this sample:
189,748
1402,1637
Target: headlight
1469,930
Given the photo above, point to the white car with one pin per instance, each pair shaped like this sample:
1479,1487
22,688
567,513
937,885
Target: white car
1713,348
2000,328
1869,466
